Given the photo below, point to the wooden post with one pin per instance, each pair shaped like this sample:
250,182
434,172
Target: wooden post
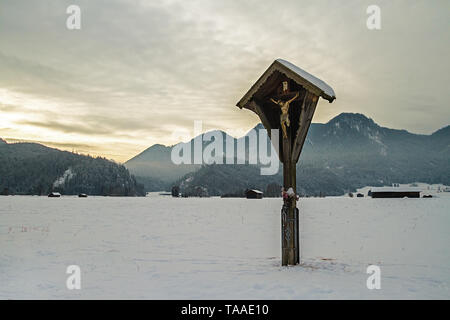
289,214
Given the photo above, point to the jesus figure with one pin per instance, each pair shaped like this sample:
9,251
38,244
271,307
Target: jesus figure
284,118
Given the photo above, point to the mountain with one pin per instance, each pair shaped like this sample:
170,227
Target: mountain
155,162
440,139
30,168
348,152
155,169
361,152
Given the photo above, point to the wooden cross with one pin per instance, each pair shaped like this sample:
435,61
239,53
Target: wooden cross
294,115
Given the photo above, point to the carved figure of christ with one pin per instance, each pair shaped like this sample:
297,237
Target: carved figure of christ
284,118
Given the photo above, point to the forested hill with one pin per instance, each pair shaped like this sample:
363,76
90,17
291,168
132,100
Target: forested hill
30,168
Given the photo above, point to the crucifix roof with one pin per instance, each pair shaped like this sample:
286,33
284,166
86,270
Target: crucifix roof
305,79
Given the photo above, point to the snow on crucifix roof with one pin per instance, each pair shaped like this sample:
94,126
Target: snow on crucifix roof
328,92
305,79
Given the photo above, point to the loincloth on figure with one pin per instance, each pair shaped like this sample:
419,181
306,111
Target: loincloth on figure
285,118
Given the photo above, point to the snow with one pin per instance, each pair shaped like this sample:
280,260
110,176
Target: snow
310,78
159,247
66,177
395,189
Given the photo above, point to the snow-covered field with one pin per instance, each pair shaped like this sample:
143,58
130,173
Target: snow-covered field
164,248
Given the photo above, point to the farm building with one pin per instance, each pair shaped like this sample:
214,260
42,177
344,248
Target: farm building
253,194
54,195
394,192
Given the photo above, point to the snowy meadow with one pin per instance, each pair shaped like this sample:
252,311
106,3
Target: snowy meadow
160,247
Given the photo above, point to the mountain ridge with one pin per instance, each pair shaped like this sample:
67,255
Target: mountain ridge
351,143
445,129
347,152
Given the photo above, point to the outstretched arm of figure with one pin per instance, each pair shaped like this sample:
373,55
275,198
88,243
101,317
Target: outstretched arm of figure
295,97
271,99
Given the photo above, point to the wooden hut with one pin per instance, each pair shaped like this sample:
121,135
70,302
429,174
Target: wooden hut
54,195
253,194
394,192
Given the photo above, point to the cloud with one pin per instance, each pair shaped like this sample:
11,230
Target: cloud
65,128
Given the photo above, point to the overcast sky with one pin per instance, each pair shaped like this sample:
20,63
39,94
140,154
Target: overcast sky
138,71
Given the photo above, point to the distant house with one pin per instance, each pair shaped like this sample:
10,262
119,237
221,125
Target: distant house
54,195
253,194
175,191
395,192
195,191
200,191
